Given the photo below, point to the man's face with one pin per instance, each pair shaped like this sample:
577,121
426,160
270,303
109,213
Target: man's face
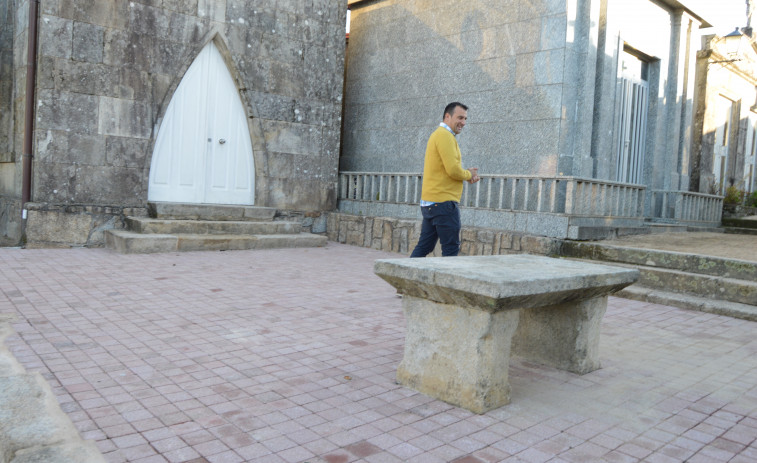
456,121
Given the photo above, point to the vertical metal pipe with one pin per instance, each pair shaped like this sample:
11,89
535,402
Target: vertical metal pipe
31,72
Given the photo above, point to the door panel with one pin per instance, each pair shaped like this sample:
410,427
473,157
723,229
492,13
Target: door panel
203,152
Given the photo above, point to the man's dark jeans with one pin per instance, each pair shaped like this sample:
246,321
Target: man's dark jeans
441,221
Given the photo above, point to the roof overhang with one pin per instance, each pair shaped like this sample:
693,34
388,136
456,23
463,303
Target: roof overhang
684,5
675,4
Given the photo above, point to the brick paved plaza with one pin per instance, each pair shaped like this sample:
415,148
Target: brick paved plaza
290,356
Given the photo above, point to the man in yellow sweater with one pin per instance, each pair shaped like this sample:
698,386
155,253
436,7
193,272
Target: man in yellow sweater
443,177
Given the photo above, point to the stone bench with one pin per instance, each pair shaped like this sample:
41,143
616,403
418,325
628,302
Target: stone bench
464,315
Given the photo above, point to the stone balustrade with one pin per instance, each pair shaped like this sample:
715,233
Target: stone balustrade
687,206
558,207
569,195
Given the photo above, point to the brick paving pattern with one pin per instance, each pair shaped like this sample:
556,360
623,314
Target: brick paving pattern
290,355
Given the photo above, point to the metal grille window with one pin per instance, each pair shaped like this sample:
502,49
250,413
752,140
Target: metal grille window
632,119
633,128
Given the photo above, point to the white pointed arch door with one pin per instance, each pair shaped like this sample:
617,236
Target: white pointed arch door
203,151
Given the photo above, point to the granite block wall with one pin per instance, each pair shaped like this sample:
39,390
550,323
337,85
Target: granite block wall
107,71
13,25
401,236
506,60
6,81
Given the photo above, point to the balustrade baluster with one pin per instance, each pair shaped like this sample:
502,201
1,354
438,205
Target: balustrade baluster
501,191
489,181
570,196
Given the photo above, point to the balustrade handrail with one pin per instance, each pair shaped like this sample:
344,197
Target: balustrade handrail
689,193
534,177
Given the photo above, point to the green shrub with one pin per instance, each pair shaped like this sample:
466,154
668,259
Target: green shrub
733,195
751,200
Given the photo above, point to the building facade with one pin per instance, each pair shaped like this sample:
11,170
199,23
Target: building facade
586,89
200,101
725,126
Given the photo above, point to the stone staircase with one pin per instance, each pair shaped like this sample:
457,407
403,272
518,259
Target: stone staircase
195,227
709,284
742,225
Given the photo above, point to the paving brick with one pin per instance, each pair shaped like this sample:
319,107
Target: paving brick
289,355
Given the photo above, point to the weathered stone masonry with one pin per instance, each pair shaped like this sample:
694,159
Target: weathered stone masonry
107,72
398,235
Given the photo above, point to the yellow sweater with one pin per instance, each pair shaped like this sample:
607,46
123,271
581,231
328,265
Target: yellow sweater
443,173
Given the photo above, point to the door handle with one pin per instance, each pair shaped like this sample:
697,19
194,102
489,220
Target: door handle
222,141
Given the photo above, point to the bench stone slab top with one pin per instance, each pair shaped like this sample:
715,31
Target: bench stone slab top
494,283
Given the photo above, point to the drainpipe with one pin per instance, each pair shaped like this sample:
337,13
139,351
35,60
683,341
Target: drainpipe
31,73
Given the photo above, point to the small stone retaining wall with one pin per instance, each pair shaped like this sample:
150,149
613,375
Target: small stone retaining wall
59,225
401,235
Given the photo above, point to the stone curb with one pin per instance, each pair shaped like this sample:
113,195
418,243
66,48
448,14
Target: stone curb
33,427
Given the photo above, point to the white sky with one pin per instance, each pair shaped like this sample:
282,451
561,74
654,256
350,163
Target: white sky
725,15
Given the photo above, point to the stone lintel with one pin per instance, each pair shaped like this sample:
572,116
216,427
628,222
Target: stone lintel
505,282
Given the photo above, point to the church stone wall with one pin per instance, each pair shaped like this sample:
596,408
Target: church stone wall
107,71
13,24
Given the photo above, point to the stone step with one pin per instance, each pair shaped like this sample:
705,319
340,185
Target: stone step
705,286
210,227
740,222
128,242
179,211
692,263
740,231
693,284
691,302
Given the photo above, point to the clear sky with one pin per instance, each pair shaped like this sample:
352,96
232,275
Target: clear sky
725,15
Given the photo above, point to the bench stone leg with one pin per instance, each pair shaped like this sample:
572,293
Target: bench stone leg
458,355
564,336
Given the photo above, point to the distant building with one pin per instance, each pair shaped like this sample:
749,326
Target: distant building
725,125
576,107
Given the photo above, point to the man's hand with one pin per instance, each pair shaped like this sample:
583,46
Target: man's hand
473,175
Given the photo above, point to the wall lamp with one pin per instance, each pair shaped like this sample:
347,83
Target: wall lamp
732,43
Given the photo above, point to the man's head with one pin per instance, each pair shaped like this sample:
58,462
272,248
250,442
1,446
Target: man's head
455,116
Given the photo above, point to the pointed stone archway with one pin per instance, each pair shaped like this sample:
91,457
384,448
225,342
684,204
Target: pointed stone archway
203,151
